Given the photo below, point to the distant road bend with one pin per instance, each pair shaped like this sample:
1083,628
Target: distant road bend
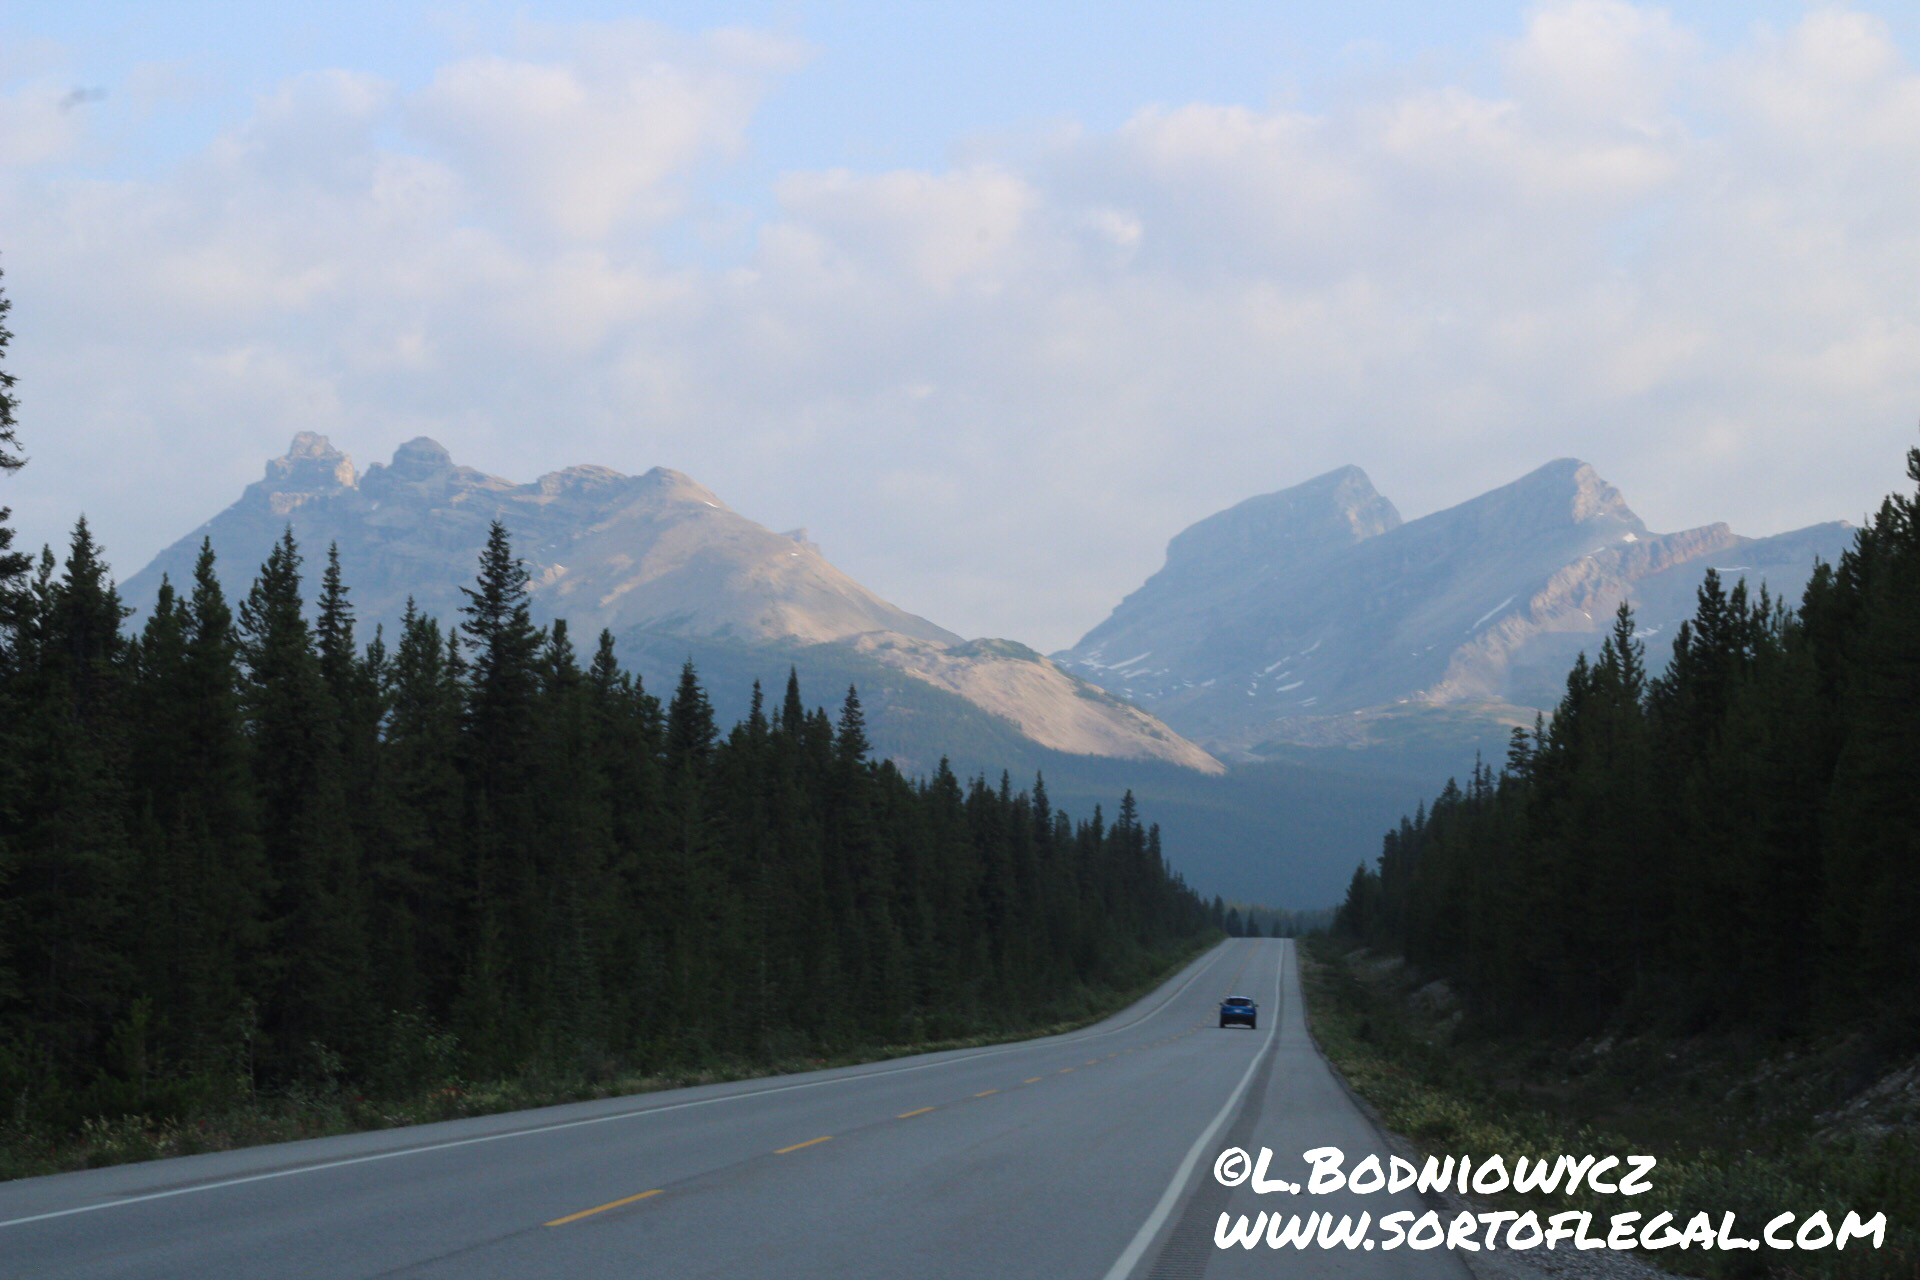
1088,1154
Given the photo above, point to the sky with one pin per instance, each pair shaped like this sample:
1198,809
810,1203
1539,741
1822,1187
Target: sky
993,299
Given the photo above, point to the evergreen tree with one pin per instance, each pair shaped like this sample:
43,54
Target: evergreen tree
13,564
418,871
13,569
570,922
203,875
1874,846
507,854
250,853
850,740
314,1007
69,889
1741,829
689,883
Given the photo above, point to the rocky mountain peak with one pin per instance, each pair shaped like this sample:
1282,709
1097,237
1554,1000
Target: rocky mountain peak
1480,607
658,551
1565,491
311,462
675,486
420,458
1337,509
660,561
577,479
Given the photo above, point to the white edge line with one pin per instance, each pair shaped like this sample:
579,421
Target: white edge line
1123,1265
572,1124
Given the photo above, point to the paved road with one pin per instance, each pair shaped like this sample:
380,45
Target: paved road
1087,1154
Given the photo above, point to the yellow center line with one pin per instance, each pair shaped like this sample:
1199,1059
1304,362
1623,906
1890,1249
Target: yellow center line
984,1092
1093,1062
808,1143
588,1213
1064,1070
904,1114
1033,1080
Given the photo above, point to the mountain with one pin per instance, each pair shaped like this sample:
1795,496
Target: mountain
674,573
605,549
1316,617
1346,660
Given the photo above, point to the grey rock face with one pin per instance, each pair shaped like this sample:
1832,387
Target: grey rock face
654,553
1308,615
605,549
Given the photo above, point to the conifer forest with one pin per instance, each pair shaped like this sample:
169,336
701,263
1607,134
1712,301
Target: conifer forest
241,850
1731,844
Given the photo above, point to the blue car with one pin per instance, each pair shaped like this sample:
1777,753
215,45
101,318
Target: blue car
1238,1009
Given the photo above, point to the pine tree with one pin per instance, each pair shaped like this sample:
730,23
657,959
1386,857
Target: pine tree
793,713
570,922
689,884
13,569
850,740
1874,841
13,564
316,1005
501,717
418,877
70,885
628,733
855,847
204,878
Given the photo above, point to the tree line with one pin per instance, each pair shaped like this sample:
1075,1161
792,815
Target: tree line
241,850
1734,843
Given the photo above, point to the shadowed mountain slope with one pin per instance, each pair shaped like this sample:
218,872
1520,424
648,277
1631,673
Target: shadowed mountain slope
1314,616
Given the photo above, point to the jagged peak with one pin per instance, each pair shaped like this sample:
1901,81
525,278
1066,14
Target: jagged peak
421,456
311,462
311,444
1340,507
1569,489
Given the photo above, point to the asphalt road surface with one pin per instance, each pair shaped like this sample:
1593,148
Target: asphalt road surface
1089,1154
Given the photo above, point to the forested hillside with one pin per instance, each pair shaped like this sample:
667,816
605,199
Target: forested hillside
244,851
1733,844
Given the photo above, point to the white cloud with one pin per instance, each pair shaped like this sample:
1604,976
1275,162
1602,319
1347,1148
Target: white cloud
992,391
932,229
39,122
586,141
1600,62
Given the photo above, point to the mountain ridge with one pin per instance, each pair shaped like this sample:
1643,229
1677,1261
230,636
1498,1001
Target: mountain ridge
1257,632
657,553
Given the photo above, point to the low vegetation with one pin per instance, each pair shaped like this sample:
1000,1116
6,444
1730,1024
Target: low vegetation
328,1107
1752,1128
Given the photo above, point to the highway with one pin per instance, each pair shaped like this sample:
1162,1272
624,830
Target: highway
1089,1154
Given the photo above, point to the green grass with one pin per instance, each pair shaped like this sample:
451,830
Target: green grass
1736,1126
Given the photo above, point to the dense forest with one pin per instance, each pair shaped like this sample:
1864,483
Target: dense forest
241,851
1734,843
